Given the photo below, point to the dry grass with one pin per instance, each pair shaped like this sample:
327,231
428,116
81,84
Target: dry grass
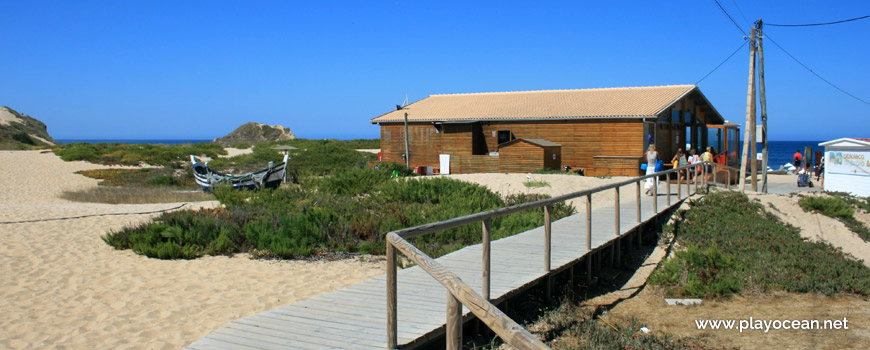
650,309
136,195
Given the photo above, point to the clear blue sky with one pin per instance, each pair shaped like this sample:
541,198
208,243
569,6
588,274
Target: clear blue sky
198,69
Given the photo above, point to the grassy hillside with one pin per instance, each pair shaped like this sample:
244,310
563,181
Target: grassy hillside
19,131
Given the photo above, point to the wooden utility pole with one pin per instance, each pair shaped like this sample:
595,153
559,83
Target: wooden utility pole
750,113
407,152
763,109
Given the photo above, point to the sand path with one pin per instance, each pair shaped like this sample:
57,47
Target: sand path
62,287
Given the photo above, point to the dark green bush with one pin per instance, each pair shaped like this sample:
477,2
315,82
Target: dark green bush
829,206
133,154
734,244
337,215
241,145
23,138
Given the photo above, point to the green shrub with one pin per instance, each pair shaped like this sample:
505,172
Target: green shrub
400,169
353,181
829,206
840,208
23,138
132,154
733,244
699,272
336,215
241,145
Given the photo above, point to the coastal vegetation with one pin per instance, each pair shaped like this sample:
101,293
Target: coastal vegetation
339,205
536,183
842,207
730,245
173,181
20,131
174,156
347,211
573,326
137,186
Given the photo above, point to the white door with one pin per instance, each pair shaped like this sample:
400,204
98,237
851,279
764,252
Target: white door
445,163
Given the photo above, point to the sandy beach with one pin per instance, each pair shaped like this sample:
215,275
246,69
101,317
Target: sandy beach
62,287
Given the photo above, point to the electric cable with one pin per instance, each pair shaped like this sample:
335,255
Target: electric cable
729,17
767,36
723,62
816,24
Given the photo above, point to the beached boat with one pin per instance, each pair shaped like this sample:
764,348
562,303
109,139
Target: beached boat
270,177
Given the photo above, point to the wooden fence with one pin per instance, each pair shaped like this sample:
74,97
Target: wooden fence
460,294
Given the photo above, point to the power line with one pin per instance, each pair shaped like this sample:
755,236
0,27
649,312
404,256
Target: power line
816,24
723,62
729,17
767,36
740,12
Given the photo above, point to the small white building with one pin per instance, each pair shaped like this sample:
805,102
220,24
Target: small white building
847,166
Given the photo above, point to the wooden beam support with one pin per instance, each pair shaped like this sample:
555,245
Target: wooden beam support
487,243
392,319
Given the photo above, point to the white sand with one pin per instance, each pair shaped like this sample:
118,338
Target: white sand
508,184
816,227
7,117
62,287
232,152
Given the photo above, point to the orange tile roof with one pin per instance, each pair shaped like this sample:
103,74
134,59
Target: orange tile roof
547,104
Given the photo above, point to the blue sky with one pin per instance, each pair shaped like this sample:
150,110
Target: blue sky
198,69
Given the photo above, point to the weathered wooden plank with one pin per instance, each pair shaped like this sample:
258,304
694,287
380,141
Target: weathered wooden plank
208,343
322,336
355,317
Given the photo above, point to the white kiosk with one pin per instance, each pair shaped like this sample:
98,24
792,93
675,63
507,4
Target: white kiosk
847,166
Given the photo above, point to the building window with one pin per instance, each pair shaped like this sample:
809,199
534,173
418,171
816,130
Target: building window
504,136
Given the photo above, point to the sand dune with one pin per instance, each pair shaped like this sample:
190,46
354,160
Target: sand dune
61,286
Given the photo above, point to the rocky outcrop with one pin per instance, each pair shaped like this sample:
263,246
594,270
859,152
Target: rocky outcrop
254,133
18,131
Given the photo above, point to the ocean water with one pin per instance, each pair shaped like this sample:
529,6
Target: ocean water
781,152
153,142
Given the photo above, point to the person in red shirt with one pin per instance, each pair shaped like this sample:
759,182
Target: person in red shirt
797,159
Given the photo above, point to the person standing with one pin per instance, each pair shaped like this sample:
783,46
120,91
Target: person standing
708,157
680,161
651,157
798,158
694,158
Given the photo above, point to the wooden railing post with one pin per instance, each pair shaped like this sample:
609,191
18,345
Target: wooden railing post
547,247
588,222
617,251
688,189
588,239
486,257
392,325
638,203
728,186
668,183
714,175
454,323
655,195
679,186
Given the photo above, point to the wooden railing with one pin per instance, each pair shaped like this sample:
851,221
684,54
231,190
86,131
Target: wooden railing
459,293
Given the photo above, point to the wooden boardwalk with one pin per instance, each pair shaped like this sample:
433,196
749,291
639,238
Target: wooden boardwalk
355,317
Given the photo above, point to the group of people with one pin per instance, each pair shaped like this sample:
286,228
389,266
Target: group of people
679,160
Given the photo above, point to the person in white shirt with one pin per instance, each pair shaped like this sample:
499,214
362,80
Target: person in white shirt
693,158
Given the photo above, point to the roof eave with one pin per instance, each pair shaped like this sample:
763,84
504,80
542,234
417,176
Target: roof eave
511,119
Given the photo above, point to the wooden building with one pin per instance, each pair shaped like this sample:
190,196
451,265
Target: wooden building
603,131
528,155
